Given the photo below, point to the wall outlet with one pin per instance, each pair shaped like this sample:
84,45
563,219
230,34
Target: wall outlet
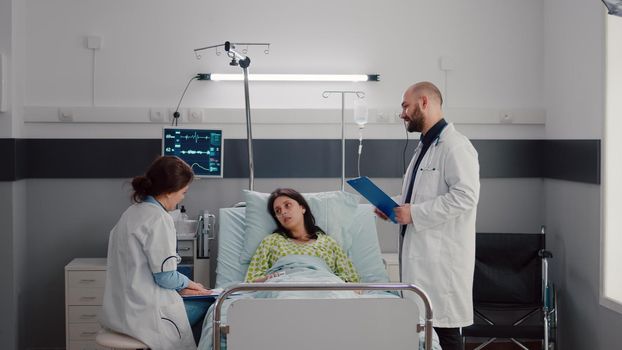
195,116
65,115
396,117
383,117
157,115
506,117
182,114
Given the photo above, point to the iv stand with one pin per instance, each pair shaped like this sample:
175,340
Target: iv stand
249,132
359,94
244,62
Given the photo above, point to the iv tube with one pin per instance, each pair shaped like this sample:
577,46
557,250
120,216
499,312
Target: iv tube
361,116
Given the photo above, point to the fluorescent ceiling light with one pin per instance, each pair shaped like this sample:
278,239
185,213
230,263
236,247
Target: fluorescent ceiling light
614,7
291,77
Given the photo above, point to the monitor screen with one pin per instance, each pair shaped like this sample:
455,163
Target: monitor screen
202,149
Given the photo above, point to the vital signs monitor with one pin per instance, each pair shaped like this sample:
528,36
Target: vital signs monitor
202,149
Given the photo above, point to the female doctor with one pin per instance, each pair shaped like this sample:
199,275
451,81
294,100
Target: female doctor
142,295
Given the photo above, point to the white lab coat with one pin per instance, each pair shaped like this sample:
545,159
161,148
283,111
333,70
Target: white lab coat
438,252
144,242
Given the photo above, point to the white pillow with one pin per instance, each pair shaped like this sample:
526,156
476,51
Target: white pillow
333,212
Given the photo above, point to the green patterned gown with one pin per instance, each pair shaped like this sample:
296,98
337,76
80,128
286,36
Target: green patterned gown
276,246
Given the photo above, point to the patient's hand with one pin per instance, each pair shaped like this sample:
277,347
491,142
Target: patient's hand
269,276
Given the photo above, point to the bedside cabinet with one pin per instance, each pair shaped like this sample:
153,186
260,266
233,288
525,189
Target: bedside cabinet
194,267
392,264
84,292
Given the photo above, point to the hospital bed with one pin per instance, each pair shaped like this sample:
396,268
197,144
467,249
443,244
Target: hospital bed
377,320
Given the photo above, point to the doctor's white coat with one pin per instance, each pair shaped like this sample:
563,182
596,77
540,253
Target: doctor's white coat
142,243
438,251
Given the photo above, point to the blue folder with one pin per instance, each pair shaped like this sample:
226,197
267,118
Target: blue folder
374,195
200,297
215,294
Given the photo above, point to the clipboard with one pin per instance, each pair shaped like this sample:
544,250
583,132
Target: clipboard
200,297
215,294
374,195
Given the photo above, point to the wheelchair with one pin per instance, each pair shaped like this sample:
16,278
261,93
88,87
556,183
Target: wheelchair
512,296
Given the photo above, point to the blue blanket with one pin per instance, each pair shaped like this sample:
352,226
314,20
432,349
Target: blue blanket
294,269
303,269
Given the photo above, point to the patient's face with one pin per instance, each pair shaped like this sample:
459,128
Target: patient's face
289,212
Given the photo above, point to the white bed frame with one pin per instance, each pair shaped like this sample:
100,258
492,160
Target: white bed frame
283,324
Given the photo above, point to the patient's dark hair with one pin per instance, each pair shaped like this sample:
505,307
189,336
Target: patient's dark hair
166,174
312,229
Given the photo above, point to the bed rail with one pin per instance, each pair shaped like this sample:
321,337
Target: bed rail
247,287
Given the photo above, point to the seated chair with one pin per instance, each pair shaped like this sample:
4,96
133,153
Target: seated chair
114,340
511,281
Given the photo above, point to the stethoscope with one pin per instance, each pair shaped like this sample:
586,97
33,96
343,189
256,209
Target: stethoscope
429,155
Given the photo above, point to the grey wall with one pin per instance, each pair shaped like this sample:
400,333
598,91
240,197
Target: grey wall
13,259
8,305
20,258
573,221
573,210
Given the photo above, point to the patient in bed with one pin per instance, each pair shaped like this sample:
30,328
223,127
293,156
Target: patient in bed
298,251
296,234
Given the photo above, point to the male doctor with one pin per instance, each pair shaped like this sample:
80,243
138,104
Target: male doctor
437,213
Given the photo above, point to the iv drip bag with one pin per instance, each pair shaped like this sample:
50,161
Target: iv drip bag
360,112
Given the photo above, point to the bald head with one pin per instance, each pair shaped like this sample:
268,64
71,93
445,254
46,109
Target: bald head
428,89
421,107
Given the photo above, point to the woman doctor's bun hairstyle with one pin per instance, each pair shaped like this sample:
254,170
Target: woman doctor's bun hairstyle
166,174
141,182
312,229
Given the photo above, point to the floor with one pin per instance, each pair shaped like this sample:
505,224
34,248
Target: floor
506,346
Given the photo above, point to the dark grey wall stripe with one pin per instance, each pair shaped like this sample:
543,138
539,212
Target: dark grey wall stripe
21,172
315,158
573,160
380,158
8,156
284,158
89,158
510,158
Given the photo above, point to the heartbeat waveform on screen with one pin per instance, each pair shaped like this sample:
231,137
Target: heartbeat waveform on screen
195,136
191,151
202,167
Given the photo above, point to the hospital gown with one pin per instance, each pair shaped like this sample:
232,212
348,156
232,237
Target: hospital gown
276,246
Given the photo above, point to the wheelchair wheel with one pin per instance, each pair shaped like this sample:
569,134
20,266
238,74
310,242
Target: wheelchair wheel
552,319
